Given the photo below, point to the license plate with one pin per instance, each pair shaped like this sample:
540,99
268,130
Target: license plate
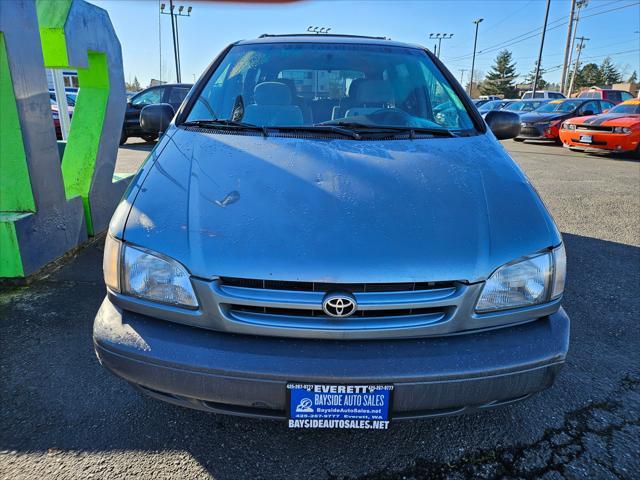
585,139
339,406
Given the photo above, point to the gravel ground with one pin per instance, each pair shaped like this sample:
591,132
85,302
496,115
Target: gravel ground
63,416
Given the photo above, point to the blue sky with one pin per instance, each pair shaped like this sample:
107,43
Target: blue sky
613,27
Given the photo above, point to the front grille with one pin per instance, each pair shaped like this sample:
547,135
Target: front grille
298,305
529,132
594,128
319,313
327,287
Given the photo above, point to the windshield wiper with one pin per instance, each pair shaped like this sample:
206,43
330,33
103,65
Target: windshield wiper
223,122
370,128
347,132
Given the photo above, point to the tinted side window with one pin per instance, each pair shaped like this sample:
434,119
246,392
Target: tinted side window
607,105
614,96
555,95
626,96
151,96
590,106
177,95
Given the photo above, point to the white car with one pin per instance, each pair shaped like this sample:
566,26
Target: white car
543,94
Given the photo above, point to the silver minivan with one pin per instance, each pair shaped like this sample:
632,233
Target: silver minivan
328,233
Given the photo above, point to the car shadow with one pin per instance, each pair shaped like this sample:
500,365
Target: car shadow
56,396
139,146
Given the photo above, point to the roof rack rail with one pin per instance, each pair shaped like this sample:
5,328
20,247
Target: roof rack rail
266,35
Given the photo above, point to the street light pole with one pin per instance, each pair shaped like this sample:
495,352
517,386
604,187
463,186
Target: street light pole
567,48
544,31
473,62
174,31
439,37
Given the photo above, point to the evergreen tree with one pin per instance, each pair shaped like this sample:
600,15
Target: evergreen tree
501,79
609,72
531,76
588,76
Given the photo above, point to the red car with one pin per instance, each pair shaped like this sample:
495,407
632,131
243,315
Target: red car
614,96
617,130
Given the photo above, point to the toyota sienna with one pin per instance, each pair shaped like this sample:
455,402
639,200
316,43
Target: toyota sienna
329,233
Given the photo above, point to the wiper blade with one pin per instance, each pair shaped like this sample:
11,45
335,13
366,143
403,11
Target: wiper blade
322,128
369,128
223,122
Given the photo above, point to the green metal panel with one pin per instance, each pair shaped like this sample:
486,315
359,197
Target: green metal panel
80,154
15,185
52,15
10,260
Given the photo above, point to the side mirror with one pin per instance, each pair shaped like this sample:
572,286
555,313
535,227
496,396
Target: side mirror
156,118
605,110
503,124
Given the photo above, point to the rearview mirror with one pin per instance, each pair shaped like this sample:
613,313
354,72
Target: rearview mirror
156,118
503,124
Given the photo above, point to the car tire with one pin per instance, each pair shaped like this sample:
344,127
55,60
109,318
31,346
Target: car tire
149,138
557,141
518,139
123,138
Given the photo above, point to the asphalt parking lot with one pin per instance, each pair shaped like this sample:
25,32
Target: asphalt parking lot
63,416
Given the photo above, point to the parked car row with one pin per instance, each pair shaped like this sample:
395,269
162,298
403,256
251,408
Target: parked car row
592,122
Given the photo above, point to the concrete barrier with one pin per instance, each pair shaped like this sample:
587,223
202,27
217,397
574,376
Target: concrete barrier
48,207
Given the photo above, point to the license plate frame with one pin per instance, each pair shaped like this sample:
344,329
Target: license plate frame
586,139
339,406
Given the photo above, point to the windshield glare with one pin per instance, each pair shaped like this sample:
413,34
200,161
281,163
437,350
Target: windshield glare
306,84
559,106
626,108
523,106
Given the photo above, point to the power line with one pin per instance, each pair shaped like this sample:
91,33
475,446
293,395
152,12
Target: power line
534,33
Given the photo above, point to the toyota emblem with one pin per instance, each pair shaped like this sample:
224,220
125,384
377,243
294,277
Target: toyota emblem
339,305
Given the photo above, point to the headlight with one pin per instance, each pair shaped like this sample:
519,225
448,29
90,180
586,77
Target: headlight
569,126
147,275
531,281
621,129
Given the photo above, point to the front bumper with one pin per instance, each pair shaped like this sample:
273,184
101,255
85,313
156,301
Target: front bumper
609,142
247,375
538,132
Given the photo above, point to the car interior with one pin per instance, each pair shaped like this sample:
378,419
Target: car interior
325,87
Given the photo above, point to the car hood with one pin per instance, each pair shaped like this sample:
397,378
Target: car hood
535,117
336,210
608,119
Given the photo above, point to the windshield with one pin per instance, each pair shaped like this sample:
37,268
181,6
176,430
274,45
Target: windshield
492,105
560,106
307,84
523,106
633,108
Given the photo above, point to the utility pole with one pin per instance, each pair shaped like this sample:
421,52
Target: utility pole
160,39
567,48
575,67
473,62
439,37
579,5
462,70
544,31
174,31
